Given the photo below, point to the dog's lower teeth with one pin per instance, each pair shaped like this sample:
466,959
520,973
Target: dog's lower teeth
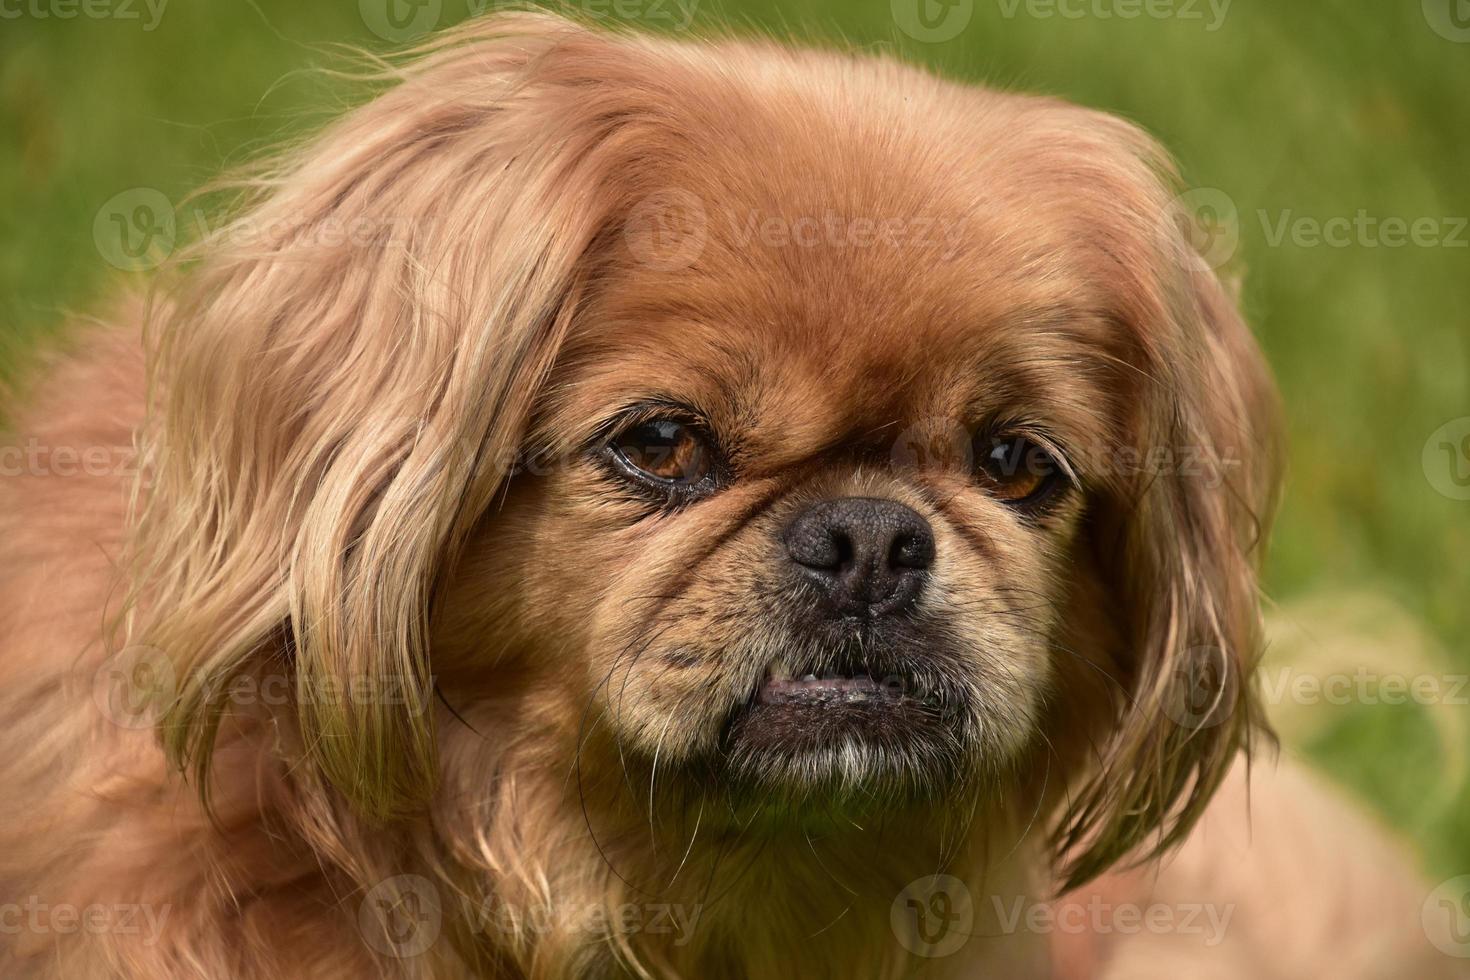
781,682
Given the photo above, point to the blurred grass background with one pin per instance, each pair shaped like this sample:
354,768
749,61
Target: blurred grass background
1315,111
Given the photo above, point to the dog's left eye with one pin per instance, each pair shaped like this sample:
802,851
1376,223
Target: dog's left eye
1017,470
664,450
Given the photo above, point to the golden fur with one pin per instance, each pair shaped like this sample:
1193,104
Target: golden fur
365,498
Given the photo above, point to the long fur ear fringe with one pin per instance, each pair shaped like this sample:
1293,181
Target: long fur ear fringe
1182,548
342,378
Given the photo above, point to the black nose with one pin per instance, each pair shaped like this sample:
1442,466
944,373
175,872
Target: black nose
868,556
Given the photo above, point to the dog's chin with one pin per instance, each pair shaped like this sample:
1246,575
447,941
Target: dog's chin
884,733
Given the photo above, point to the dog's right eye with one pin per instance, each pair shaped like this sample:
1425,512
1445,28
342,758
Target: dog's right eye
665,451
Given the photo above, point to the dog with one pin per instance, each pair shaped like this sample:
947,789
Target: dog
620,506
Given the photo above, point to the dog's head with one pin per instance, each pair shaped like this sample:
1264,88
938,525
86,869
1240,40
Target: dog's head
792,427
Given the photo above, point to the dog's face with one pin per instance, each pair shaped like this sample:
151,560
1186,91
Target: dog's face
802,516
804,428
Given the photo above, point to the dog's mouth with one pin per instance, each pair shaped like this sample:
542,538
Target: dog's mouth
834,689
849,722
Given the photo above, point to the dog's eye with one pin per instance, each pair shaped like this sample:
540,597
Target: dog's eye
1016,470
664,450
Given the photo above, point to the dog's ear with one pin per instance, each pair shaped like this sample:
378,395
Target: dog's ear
345,373
1177,526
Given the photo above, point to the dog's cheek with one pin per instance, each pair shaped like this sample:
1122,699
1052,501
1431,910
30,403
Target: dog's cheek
672,673
997,591
524,593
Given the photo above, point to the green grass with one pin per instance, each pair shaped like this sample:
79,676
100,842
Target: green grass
1317,110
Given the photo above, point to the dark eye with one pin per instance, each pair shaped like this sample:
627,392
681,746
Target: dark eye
664,450
1016,470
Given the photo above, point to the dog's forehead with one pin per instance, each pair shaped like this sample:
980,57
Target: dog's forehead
842,271
835,345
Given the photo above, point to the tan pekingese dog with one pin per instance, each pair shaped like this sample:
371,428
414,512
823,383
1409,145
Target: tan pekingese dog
613,506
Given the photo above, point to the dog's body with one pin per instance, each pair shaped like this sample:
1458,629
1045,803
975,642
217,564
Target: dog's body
538,774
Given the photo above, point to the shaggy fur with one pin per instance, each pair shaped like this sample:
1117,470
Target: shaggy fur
412,657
